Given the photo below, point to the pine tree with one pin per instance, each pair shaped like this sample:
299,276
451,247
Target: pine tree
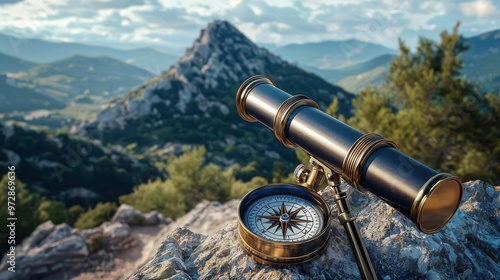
434,114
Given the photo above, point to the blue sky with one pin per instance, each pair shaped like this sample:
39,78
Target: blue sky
171,26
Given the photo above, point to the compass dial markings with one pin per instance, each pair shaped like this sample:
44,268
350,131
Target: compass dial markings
306,219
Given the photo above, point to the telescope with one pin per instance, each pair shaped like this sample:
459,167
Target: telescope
285,224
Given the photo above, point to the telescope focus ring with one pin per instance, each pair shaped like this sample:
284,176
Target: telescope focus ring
285,111
357,156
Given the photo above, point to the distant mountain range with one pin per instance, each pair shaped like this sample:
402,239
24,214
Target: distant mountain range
194,102
481,62
330,55
337,75
40,51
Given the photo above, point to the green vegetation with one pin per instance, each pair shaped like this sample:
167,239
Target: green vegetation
101,213
59,163
190,182
432,113
158,195
32,210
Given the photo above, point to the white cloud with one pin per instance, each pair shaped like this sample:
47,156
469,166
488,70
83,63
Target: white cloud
176,23
480,9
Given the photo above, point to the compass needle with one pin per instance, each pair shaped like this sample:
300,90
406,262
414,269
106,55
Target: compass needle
272,218
300,221
293,224
294,213
276,229
284,227
283,208
274,224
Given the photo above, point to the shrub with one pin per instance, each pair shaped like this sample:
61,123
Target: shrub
102,212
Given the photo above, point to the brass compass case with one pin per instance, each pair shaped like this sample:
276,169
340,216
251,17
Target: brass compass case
283,225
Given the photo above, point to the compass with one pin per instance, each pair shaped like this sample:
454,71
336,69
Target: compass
283,224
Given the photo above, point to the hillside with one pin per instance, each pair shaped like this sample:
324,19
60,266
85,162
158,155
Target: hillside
85,79
15,98
482,59
41,51
10,64
357,82
193,103
336,75
72,170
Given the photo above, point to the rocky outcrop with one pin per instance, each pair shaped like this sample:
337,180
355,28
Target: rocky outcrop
63,251
467,248
207,217
169,259
128,215
119,236
49,248
203,245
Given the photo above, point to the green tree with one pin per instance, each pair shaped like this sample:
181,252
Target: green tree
74,213
31,209
184,173
240,188
101,213
158,195
190,181
54,211
432,113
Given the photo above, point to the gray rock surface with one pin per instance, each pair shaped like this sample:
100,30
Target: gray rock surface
207,217
59,248
49,248
127,214
118,236
467,248
152,218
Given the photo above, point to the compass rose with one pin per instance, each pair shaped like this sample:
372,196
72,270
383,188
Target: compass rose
285,219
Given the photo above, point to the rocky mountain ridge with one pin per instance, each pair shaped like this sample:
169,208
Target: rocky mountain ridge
203,245
193,102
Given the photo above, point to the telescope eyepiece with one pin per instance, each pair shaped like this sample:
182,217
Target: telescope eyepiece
246,87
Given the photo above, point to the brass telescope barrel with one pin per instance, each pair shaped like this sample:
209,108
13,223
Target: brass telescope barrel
366,161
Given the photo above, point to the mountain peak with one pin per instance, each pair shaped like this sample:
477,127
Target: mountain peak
217,26
201,85
222,50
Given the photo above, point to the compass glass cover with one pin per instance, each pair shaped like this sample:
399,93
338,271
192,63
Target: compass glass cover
283,218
